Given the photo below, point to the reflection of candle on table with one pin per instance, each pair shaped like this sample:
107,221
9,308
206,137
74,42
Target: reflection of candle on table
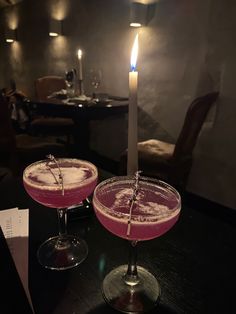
132,160
80,65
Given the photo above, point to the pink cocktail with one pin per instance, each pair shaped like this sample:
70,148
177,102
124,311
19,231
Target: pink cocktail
155,210
137,209
61,183
41,181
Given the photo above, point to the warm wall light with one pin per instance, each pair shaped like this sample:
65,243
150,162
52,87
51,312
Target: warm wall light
138,14
10,35
55,28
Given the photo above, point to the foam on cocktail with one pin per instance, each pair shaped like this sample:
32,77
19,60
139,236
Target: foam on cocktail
154,211
73,173
142,206
69,175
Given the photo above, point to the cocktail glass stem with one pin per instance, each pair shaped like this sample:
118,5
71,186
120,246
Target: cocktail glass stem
62,224
63,251
131,277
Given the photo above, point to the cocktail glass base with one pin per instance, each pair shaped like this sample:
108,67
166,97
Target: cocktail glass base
60,253
127,298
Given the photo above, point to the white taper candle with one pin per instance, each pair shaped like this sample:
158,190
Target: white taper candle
80,77
132,159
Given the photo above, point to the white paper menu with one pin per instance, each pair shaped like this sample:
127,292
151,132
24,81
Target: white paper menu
15,226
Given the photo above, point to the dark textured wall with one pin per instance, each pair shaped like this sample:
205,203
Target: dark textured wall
186,50
93,26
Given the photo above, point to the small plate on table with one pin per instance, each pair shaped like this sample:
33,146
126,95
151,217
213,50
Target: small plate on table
77,100
102,101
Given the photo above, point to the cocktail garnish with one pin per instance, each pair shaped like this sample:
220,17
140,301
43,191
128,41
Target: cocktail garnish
59,181
133,199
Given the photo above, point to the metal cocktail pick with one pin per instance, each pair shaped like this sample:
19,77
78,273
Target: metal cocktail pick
133,199
59,181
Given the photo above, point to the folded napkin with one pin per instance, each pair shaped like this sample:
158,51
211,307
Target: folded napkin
58,94
77,99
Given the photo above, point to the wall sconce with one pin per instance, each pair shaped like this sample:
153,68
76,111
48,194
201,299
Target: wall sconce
138,14
55,28
10,35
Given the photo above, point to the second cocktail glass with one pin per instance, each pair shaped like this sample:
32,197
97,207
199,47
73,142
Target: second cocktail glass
61,183
136,209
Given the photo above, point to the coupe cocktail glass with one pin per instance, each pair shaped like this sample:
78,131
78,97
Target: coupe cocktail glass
60,184
137,210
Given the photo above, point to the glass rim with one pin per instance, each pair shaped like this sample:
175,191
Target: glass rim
70,185
106,209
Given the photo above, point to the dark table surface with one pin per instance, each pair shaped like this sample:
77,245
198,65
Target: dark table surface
79,109
194,262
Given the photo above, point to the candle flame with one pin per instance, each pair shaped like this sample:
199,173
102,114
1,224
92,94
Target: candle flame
80,54
134,54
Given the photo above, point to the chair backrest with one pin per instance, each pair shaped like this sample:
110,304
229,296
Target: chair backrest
45,86
7,135
193,122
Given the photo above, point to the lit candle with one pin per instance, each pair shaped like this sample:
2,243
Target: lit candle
132,160
80,65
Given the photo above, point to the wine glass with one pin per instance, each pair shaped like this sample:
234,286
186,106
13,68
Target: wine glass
70,79
136,209
95,76
61,183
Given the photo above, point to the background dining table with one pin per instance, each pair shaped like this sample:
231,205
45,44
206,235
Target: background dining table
82,113
194,262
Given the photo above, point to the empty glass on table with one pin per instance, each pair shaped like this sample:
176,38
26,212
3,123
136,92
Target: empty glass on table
70,78
95,77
